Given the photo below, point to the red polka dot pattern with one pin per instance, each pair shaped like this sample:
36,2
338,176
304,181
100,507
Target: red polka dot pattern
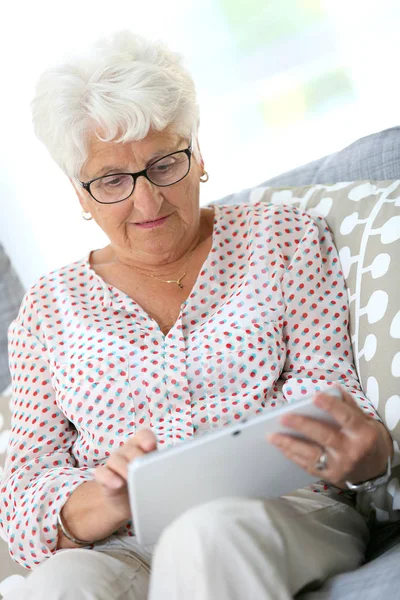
266,322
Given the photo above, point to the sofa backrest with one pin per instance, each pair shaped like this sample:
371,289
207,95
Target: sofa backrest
374,157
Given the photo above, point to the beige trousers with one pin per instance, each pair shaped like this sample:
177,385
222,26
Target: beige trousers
229,549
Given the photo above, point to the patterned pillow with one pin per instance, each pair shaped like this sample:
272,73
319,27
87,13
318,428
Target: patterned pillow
364,218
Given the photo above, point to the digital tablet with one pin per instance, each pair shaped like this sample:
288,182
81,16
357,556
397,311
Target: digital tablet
235,460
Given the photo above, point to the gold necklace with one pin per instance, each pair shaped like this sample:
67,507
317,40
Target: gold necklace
176,281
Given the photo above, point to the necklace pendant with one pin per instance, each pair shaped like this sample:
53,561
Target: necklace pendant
178,281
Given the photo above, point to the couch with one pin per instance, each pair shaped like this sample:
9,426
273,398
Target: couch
375,157
372,158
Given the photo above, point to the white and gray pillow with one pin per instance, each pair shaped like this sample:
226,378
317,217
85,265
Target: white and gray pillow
364,218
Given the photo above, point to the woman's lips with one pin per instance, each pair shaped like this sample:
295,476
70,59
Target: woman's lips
151,224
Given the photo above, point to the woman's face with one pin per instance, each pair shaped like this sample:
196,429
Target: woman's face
155,225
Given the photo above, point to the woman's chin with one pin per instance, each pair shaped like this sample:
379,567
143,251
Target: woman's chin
157,249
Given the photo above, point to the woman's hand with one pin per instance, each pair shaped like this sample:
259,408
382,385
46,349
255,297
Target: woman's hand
97,508
357,450
113,475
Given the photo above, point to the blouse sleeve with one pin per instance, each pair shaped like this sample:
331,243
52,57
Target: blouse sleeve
40,470
316,319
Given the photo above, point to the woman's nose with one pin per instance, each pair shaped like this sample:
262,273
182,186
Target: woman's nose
147,198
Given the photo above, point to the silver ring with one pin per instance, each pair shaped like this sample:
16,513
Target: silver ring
322,462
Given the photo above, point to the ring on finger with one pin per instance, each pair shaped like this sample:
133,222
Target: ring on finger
322,462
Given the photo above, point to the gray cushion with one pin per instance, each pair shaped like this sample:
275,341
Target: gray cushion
374,580
7,565
11,293
374,157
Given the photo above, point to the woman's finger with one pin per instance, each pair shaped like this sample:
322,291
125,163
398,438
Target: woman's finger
346,414
114,473
304,454
145,439
322,434
120,459
108,478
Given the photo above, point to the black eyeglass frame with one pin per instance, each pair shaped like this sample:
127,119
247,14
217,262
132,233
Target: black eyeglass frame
143,173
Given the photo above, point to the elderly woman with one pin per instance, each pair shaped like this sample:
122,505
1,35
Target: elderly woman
189,319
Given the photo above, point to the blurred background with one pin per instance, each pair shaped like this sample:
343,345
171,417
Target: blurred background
280,83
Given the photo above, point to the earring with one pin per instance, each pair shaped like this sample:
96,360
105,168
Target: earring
87,216
205,177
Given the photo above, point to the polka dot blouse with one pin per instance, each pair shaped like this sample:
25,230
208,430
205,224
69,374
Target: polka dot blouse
266,323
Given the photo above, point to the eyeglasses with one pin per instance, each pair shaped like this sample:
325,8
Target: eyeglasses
165,171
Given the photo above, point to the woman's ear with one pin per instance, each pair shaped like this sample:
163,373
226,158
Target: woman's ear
198,155
83,201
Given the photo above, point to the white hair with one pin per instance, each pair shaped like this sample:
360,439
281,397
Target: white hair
123,87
